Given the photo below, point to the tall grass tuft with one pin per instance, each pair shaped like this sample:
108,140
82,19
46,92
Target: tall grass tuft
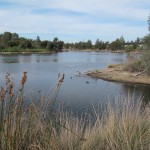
123,125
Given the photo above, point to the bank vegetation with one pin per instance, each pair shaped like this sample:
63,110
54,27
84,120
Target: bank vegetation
134,70
37,125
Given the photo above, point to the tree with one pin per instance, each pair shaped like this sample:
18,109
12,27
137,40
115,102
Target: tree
89,44
101,45
50,46
60,45
14,37
122,40
146,42
25,43
97,44
138,40
6,37
116,45
149,23
57,45
37,42
44,44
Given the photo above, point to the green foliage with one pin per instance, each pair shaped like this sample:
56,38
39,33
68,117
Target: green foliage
1,47
37,42
5,38
146,42
116,45
25,44
44,44
89,44
142,64
12,49
145,60
113,65
8,40
11,42
100,45
129,48
50,46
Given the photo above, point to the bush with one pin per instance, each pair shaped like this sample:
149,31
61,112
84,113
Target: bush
134,66
145,60
129,48
113,65
141,64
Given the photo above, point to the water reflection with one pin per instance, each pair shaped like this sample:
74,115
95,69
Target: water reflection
9,59
136,90
75,92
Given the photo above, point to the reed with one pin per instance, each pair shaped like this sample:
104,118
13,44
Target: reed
123,125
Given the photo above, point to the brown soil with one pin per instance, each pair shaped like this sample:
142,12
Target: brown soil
118,75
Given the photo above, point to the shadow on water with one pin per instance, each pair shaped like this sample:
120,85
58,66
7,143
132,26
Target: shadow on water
78,94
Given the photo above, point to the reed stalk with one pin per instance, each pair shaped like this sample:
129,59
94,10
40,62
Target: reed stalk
123,125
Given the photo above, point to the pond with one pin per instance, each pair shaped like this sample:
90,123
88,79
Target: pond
76,93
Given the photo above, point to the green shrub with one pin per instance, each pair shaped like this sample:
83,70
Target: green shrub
145,60
113,65
129,48
141,64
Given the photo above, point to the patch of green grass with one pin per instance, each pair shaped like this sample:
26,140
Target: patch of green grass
18,50
113,65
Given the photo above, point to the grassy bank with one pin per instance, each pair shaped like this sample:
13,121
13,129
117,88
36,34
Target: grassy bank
39,126
25,51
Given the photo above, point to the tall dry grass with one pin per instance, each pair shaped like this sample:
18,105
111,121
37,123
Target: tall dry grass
122,126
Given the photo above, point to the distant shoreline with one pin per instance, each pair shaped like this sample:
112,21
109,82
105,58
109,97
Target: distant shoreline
5,53
66,50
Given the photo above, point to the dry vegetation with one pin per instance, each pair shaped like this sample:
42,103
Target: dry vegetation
134,70
141,64
123,126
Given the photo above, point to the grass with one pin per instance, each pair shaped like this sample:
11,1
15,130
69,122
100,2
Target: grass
123,125
18,50
113,65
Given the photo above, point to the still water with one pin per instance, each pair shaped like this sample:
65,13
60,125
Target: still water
76,93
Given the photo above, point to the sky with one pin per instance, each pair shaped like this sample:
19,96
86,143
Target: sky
75,20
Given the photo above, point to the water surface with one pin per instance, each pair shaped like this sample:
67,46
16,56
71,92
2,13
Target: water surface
75,92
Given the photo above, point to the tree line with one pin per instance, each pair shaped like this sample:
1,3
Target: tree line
118,44
12,42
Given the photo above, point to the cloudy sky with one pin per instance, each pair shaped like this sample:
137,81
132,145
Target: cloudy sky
75,20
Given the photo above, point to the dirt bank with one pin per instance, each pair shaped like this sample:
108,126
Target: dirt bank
118,75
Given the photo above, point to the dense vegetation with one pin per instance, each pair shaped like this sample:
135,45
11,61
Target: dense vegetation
141,64
11,42
118,44
38,126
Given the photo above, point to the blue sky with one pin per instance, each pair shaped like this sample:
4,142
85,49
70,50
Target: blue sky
75,20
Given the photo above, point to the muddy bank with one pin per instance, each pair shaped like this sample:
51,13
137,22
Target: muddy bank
118,75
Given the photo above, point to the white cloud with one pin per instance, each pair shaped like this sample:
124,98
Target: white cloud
118,13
